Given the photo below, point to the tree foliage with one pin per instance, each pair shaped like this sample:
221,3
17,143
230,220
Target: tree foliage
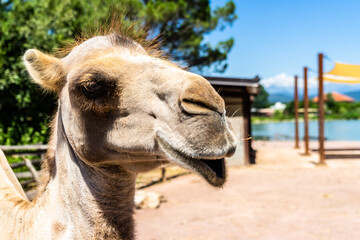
261,100
183,25
47,24
290,107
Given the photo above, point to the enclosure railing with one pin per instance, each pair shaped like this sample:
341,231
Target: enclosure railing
25,161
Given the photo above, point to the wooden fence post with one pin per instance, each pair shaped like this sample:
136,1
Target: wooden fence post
296,106
306,116
321,113
32,169
163,174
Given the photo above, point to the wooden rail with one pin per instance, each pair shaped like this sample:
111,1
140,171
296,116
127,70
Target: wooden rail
30,176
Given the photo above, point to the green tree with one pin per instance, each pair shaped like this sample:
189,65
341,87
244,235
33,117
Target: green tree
312,104
183,25
331,105
261,100
47,24
32,24
289,109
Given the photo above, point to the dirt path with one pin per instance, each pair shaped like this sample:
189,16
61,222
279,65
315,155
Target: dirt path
283,197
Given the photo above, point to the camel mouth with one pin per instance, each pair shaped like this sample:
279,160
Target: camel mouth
212,170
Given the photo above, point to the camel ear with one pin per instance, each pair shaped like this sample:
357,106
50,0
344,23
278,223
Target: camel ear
47,71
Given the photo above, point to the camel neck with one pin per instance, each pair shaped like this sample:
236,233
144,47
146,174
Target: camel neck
96,202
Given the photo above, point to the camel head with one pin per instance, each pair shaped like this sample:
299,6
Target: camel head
119,105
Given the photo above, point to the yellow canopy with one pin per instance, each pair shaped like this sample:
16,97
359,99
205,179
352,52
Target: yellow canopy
343,73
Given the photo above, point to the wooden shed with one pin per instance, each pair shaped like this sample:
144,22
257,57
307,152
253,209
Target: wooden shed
239,94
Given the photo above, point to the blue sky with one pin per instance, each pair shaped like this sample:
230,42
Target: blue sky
275,39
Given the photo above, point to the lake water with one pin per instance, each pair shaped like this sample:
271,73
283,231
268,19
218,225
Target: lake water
334,130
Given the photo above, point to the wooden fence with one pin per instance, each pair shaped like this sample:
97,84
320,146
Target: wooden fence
25,161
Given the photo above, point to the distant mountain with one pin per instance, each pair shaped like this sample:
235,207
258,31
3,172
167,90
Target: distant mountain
354,94
287,96
280,97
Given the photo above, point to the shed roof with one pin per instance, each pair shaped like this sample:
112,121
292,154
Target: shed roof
233,82
338,97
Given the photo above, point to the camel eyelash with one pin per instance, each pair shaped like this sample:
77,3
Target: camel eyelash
95,89
95,95
94,85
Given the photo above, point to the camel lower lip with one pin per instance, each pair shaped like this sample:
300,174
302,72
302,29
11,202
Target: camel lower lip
218,166
213,170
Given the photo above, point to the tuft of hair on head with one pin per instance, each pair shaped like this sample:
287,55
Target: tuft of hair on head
119,30
45,70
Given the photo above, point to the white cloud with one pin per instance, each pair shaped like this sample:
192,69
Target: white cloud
280,80
284,83
283,80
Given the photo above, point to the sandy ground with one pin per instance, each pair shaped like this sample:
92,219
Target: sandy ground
285,196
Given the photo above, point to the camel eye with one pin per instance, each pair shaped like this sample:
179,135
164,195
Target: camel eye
94,89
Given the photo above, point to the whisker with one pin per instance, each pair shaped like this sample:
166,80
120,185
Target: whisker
246,139
232,115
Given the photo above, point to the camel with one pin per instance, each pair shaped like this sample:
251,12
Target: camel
122,109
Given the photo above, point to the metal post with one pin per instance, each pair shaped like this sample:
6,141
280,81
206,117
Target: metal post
296,113
306,117
321,113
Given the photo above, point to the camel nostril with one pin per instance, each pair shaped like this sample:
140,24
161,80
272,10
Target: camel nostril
197,107
231,152
199,97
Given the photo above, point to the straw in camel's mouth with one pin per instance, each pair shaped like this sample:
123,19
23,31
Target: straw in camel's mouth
213,170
